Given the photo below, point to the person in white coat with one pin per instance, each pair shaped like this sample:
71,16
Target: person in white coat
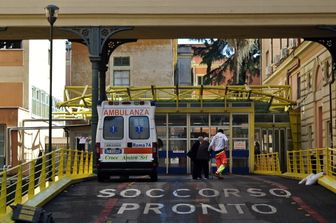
219,144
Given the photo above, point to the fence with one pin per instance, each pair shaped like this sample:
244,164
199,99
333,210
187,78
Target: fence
23,182
331,163
300,163
267,163
303,162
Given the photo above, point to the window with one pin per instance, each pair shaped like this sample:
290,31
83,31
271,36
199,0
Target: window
121,61
11,44
199,80
267,58
298,87
2,143
310,135
309,79
139,127
121,77
40,103
113,128
121,71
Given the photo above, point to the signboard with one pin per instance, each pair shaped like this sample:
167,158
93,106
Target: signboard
126,157
126,112
239,144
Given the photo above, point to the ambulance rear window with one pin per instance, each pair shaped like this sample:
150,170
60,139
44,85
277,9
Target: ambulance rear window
113,127
139,127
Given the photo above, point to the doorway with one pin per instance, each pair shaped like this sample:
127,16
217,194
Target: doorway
273,140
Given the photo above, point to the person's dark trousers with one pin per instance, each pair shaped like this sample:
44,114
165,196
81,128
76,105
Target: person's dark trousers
195,170
204,166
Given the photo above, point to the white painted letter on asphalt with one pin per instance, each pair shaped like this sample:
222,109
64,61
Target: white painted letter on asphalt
177,195
156,208
128,207
283,192
255,192
136,193
215,193
232,191
148,193
189,206
238,207
221,208
107,193
272,210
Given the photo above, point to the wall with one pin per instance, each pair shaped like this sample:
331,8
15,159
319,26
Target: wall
306,61
151,63
81,68
11,94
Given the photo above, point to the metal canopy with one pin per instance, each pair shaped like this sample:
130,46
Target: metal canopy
77,99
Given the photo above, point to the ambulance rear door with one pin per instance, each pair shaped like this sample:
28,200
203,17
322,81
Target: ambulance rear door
141,135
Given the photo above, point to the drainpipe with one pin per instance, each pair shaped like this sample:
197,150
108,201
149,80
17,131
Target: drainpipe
330,109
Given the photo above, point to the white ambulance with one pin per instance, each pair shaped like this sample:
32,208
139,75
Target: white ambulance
126,141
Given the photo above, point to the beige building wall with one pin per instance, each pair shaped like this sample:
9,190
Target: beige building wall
81,69
307,69
14,83
151,63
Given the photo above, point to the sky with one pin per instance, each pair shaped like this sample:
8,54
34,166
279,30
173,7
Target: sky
187,41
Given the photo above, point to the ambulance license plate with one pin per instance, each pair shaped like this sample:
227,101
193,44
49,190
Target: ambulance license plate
113,151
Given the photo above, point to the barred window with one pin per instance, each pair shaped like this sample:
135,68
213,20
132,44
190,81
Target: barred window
121,77
40,103
121,61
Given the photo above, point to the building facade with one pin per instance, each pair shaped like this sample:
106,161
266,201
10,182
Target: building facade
306,67
24,96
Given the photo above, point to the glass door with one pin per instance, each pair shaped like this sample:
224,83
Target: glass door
280,146
199,126
240,144
177,143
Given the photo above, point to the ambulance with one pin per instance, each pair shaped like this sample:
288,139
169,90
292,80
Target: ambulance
126,141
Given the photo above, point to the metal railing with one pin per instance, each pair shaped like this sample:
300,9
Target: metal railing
267,163
23,182
303,162
331,163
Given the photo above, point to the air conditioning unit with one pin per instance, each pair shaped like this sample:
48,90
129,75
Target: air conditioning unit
277,59
292,43
283,53
269,70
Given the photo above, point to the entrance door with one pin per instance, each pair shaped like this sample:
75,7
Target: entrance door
172,130
240,143
274,140
199,126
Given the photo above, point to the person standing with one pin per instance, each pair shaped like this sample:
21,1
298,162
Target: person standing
192,155
219,144
202,159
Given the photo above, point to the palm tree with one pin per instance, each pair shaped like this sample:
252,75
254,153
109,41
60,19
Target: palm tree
238,56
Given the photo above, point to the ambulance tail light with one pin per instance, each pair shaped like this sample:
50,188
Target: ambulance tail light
154,151
98,149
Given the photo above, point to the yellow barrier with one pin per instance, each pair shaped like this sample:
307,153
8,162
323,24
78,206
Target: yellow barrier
25,181
331,162
300,163
267,164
